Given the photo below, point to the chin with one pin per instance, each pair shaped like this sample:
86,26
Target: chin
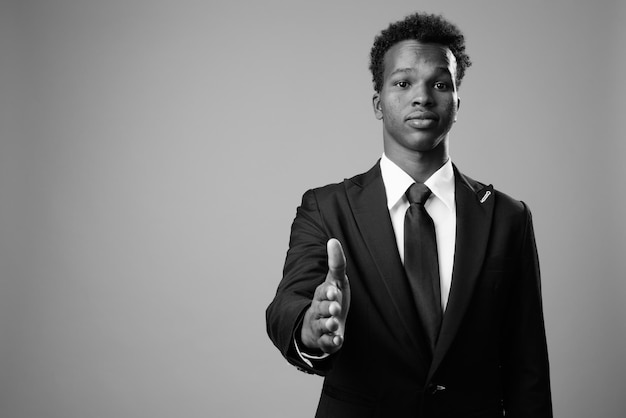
425,145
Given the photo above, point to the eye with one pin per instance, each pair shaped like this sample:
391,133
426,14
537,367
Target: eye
402,84
442,86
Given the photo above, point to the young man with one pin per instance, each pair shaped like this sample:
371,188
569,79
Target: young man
412,288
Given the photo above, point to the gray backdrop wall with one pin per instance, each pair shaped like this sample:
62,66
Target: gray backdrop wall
153,153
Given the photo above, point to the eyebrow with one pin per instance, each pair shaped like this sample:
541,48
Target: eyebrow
411,70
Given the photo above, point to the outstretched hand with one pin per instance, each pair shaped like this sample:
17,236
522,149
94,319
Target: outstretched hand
325,321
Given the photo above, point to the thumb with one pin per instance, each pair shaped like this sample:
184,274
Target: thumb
336,263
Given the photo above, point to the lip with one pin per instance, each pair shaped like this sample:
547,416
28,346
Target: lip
422,115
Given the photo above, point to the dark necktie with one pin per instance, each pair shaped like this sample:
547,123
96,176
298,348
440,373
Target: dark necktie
421,262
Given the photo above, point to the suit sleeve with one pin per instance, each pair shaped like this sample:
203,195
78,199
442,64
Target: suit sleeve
306,266
525,356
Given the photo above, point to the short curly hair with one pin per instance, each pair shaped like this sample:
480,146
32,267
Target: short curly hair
427,28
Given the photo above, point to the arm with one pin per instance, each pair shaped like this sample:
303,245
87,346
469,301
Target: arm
525,356
309,310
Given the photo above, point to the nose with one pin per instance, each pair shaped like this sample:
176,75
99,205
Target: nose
422,96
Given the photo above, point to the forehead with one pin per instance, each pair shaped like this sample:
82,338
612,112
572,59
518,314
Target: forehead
413,54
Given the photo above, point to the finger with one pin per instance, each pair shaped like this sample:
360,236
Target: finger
333,293
320,327
334,308
330,343
327,325
327,291
331,325
326,309
323,325
336,262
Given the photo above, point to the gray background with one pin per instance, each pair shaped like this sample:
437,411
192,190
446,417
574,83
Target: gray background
153,153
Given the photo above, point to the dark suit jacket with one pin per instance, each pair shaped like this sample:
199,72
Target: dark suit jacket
491,355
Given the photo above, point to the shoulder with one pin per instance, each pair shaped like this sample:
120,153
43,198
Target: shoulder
339,190
504,203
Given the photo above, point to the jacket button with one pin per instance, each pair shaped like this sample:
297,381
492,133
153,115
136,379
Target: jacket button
433,388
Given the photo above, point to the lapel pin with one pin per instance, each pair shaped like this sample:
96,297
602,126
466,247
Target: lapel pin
487,194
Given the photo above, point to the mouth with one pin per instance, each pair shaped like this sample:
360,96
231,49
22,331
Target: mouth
422,119
422,115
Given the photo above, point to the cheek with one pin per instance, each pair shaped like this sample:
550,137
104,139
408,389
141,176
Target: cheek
452,109
392,109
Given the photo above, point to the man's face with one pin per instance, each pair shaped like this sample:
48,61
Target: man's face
418,102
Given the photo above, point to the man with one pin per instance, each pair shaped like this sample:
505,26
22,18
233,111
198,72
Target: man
415,306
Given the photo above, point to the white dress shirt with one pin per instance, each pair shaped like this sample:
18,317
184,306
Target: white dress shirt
440,206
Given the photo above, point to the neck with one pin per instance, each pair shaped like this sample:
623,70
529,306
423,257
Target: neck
418,164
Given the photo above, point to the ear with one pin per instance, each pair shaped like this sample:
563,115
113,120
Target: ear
458,106
378,108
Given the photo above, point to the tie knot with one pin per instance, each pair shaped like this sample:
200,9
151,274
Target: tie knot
418,193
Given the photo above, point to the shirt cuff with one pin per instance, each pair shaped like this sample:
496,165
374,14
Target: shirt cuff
308,358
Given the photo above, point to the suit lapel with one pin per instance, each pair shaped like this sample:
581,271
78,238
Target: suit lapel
366,194
474,211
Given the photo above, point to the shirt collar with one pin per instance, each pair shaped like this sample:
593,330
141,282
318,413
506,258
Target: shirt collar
397,181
